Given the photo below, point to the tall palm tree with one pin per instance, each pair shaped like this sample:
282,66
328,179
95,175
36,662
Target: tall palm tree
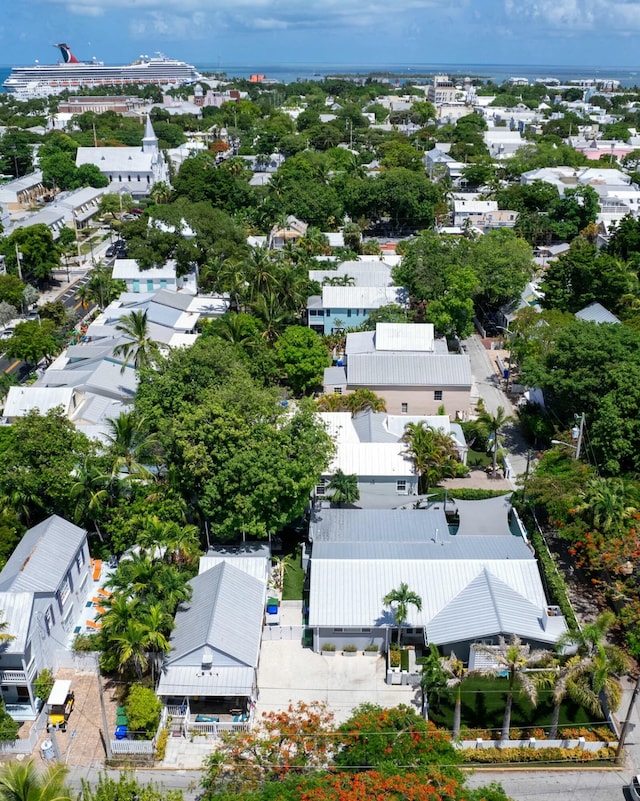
160,192
235,328
493,424
344,488
363,399
604,662
130,647
140,348
92,492
272,314
400,599
561,677
129,442
23,781
515,658
456,672
434,454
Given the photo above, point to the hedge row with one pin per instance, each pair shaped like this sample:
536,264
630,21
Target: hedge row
556,585
489,756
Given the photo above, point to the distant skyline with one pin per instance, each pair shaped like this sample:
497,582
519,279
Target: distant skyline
589,33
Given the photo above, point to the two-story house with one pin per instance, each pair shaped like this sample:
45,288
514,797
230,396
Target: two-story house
42,589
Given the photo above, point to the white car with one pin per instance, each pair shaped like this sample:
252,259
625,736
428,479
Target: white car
634,788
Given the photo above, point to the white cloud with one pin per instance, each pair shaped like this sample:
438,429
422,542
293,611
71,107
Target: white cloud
577,16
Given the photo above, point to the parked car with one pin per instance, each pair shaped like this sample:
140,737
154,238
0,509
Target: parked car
59,705
122,253
110,252
634,788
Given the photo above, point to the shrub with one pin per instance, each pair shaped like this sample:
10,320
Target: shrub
404,659
328,646
394,659
143,710
161,744
350,648
43,685
500,755
371,647
8,726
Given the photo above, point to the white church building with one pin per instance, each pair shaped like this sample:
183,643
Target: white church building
130,170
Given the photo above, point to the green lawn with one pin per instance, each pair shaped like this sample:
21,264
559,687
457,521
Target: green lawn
293,580
483,701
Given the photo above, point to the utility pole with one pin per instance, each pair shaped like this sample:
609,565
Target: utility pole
625,725
105,728
577,433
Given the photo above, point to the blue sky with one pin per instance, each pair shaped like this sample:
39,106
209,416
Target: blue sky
597,33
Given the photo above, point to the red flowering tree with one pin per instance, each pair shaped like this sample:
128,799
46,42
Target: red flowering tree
375,736
296,738
373,785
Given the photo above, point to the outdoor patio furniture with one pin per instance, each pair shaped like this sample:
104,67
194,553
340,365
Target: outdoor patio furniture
207,719
240,718
104,593
93,625
97,569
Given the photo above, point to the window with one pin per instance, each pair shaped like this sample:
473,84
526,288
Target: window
163,283
49,620
338,629
313,312
80,559
401,487
64,592
337,390
404,408
136,286
437,395
321,488
149,284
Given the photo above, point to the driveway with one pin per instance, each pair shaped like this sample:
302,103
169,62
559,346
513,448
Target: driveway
289,673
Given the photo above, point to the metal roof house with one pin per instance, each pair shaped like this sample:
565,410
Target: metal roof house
474,586
369,445
215,646
42,590
403,363
340,307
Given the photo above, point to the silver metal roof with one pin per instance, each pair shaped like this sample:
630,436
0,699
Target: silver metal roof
415,337
335,376
252,558
349,592
225,614
43,556
596,313
485,608
409,369
366,526
181,680
439,547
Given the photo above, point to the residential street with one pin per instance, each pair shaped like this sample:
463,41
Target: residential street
558,785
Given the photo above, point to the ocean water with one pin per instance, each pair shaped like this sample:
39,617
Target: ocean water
286,73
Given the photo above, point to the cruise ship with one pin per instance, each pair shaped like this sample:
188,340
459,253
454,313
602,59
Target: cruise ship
41,80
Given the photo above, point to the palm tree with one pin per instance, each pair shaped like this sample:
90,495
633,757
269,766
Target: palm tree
160,192
129,441
235,328
493,424
434,454
560,678
22,781
5,637
344,488
457,672
272,314
141,349
130,647
84,296
514,658
605,502
401,599
433,680
363,399
92,492
603,663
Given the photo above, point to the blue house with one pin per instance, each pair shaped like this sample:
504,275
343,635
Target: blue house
341,307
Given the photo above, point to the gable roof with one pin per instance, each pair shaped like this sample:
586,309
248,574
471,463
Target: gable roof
486,607
43,556
392,368
596,313
224,614
404,337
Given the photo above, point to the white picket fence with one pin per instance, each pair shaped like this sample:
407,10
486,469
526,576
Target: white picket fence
580,744
147,747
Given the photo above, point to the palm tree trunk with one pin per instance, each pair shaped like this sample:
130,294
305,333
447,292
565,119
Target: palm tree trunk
553,731
506,721
457,713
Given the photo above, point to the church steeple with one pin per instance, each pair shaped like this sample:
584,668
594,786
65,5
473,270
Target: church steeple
149,140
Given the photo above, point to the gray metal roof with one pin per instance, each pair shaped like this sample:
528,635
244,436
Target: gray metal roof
251,557
43,556
176,300
490,516
364,526
487,607
361,342
335,376
181,680
408,369
442,547
16,612
225,614
596,313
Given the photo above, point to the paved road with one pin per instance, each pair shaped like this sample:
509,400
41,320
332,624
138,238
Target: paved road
185,780
490,390
558,785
